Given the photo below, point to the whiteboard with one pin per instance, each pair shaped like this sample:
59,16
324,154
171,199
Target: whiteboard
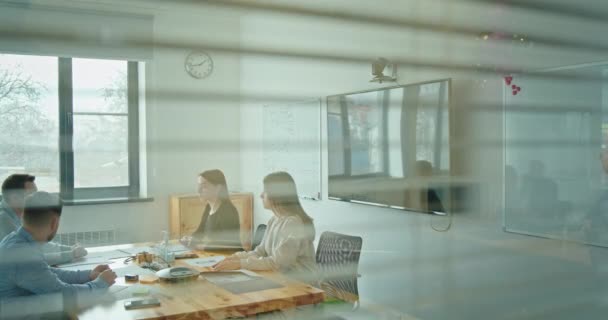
553,133
292,143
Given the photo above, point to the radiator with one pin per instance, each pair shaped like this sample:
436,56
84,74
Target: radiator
87,238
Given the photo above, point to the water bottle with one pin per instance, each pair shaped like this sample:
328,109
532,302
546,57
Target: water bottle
165,253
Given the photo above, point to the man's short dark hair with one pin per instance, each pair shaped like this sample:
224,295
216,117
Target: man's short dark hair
40,207
15,182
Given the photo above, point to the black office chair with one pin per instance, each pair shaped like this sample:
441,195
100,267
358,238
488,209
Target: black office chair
258,236
338,261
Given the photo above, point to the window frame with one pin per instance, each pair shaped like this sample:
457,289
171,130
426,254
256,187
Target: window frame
66,130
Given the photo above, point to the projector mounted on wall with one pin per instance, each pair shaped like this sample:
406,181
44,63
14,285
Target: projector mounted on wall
378,68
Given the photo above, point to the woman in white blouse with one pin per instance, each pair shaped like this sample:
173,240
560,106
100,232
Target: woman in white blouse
287,245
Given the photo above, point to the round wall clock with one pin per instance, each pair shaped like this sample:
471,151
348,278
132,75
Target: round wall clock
198,64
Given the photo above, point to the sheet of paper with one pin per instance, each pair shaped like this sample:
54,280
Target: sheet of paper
132,269
221,277
135,250
116,289
250,273
118,292
85,262
204,262
112,254
175,248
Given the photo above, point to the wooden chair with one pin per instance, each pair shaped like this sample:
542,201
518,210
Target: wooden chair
186,211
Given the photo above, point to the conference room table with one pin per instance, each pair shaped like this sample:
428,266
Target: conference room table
200,298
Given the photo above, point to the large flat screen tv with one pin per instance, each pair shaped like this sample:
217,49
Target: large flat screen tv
391,147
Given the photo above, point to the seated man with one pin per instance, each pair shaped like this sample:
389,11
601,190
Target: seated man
23,269
429,198
14,190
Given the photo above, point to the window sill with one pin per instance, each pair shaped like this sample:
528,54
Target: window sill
106,201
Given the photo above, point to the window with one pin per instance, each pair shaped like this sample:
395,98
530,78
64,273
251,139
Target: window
71,122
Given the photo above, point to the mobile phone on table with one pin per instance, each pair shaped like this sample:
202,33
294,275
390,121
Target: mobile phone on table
145,303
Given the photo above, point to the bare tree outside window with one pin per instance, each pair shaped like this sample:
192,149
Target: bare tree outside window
29,118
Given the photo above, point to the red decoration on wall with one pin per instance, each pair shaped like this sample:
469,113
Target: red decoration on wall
515,89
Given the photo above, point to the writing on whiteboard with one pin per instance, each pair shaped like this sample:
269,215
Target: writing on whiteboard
292,143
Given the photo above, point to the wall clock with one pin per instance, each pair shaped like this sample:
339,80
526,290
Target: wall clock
198,64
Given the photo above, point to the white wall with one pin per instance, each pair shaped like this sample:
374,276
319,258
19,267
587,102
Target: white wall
188,130
475,270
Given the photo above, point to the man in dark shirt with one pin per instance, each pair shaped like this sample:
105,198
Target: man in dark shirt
429,198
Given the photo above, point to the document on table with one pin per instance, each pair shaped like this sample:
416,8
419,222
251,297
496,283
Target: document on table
132,269
205,262
240,281
85,262
116,289
177,248
94,258
118,292
112,254
221,277
135,250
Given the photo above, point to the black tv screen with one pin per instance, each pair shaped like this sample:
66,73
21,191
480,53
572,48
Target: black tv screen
391,147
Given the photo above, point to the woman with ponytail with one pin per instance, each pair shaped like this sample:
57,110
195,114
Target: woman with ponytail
287,245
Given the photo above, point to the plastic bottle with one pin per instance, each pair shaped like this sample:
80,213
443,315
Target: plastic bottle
165,253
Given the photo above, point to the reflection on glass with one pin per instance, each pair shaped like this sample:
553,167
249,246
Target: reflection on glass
336,142
377,139
29,119
554,132
366,133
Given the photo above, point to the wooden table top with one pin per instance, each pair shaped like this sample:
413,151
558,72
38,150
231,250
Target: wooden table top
201,299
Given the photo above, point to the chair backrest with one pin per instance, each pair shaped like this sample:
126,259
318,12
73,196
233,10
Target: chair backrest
258,235
186,212
338,260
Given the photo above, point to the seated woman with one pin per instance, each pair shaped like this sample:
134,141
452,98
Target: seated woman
220,226
287,245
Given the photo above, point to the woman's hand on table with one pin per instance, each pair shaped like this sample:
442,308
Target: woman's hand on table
230,263
186,241
200,247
